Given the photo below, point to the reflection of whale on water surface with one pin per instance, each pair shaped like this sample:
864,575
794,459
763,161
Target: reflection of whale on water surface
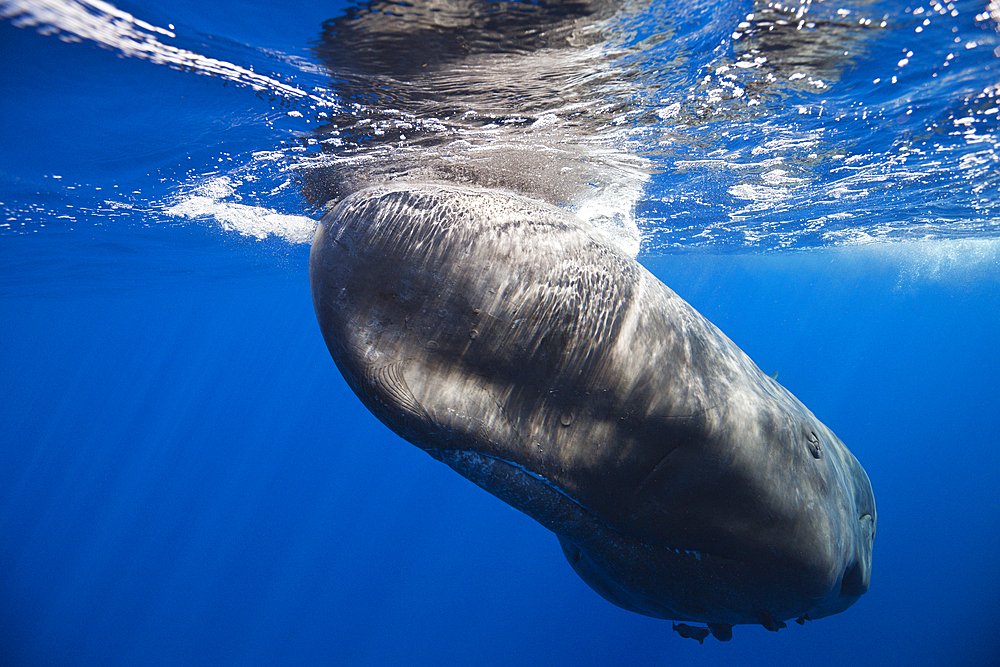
513,341
518,96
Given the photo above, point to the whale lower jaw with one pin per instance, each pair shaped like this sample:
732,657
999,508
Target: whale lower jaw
653,580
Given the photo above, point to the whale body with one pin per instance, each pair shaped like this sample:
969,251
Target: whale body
515,343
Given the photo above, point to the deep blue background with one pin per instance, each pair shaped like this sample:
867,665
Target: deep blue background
188,480
185,478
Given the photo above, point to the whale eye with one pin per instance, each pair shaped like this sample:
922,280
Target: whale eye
815,448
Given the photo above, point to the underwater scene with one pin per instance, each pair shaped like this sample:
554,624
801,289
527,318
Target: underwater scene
204,462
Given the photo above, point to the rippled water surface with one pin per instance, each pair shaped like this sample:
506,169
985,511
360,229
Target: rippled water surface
725,125
188,479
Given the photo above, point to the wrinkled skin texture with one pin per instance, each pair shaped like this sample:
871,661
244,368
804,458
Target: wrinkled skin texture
517,345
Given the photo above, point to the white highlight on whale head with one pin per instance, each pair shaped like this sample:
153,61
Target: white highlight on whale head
611,210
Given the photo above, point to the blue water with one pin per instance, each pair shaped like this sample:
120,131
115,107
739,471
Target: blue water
185,477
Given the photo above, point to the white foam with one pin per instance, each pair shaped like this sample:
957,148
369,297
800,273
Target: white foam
760,194
254,221
611,210
101,22
951,261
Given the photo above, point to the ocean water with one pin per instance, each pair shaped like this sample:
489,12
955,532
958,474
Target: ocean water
185,478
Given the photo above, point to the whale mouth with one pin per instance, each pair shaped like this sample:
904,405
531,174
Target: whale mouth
602,554
466,461
580,530
597,551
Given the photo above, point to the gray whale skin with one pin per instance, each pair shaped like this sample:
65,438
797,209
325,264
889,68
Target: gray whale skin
514,343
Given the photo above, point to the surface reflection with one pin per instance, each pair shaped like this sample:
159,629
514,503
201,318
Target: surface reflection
519,96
